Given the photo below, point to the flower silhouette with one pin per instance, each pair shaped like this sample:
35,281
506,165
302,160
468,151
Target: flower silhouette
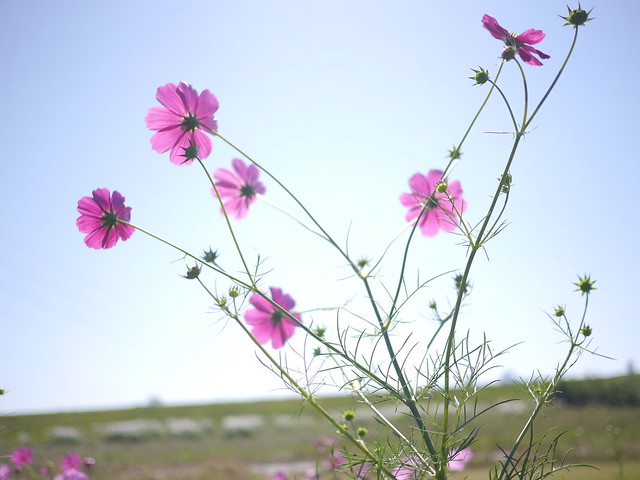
439,212
520,44
238,189
179,123
99,219
268,321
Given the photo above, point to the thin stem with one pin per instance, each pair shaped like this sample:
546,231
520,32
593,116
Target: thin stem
555,80
526,92
451,163
309,398
295,199
513,118
290,215
540,402
226,217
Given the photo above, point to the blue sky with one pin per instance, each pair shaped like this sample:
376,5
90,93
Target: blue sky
344,101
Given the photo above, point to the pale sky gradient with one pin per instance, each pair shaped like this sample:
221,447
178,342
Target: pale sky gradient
344,101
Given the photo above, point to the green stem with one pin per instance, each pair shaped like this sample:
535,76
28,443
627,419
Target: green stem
352,361
226,217
542,400
555,80
309,398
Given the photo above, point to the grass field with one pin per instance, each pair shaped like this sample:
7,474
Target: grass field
246,441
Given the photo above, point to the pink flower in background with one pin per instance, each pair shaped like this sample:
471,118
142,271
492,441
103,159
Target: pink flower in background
238,189
278,476
179,123
459,460
268,322
5,471
22,456
99,217
407,471
71,461
72,475
520,44
439,213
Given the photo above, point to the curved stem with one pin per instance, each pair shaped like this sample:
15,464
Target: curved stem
309,398
226,217
526,93
513,118
290,215
555,80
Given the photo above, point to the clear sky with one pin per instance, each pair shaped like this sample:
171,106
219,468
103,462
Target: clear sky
344,101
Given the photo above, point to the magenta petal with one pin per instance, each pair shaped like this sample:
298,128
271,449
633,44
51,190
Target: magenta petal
531,36
164,140
203,142
189,98
159,118
207,104
88,206
525,55
168,96
494,28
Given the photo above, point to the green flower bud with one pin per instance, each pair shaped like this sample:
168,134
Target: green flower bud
586,331
362,262
559,311
193,272
577,17
454,153
210,256
481,76
320,331
509,53
362,432
585,284
234,292
442,187
349,415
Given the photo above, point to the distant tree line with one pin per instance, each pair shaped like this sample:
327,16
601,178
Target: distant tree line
616,391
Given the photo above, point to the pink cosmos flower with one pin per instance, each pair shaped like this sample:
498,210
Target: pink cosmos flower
99,217
179,124
520,44
238,189
5,471
439,212
459,460
71,461
22,456
278,476
268,322
72,474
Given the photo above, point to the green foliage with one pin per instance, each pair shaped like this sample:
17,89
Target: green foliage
615,392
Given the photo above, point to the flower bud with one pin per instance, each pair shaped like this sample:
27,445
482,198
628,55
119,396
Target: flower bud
362,432
320,331
559,311
577,17
481,76
234,292
586,331
442,187
349,415
210,256
193,272
509,53
585,284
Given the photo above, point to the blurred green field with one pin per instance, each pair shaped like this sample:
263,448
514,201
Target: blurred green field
246,441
